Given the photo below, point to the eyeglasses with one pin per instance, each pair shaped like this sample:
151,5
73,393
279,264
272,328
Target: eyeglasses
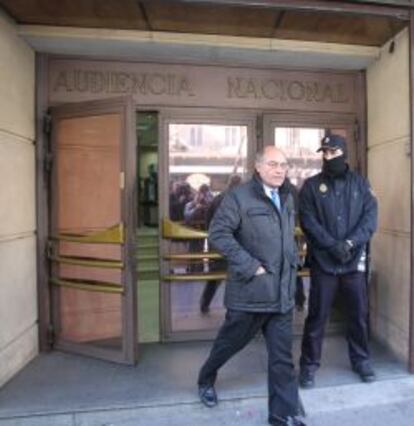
276,165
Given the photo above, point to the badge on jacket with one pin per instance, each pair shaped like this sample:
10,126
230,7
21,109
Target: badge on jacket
323,188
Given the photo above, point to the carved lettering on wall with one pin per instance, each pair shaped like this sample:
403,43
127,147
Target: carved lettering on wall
283,90
202,86
122,83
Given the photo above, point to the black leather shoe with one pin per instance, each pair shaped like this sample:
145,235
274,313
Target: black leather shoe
204,309
207,395
365,372
306,379
286,421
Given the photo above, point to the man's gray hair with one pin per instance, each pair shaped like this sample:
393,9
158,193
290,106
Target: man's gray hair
260,156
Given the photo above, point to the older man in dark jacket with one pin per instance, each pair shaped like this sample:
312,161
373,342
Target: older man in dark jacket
338,214
254,229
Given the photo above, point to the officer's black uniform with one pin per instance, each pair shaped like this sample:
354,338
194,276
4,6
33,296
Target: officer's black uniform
337,212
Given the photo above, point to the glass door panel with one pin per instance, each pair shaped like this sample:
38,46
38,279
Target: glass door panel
204,160
300,145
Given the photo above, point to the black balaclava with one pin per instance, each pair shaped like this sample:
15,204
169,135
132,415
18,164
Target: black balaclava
335,167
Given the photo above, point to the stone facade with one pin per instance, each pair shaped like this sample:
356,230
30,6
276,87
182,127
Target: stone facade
389,172
18,298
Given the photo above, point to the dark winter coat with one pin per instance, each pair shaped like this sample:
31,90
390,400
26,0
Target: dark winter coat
333,210
249,231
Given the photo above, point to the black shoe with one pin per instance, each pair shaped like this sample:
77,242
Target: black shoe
306,379
207,395
204,309
286,421
365,372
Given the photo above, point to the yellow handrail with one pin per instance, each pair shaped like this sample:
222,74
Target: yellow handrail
196,277
298,232
90,262
193,256
176,231
304,272
113,235
88,285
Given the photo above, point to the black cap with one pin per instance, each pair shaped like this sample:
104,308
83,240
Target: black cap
333,142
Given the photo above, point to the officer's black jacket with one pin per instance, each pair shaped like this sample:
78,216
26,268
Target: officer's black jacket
333,210
249,231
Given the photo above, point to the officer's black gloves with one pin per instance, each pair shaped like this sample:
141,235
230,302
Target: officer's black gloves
341,251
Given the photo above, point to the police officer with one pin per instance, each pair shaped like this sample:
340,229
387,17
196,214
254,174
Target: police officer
254,229
338,214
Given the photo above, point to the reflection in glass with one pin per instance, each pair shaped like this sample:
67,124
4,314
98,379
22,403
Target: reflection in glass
147,147
204,160
300,146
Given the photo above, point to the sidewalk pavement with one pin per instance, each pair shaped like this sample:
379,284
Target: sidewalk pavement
383,403
59,389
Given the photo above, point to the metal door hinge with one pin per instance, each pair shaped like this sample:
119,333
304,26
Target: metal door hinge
358,148
357,131
48,157
259,129
49,249
50,335
122,180
47,124
48,162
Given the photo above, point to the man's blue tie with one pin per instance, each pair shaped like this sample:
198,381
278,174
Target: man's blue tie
275,198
